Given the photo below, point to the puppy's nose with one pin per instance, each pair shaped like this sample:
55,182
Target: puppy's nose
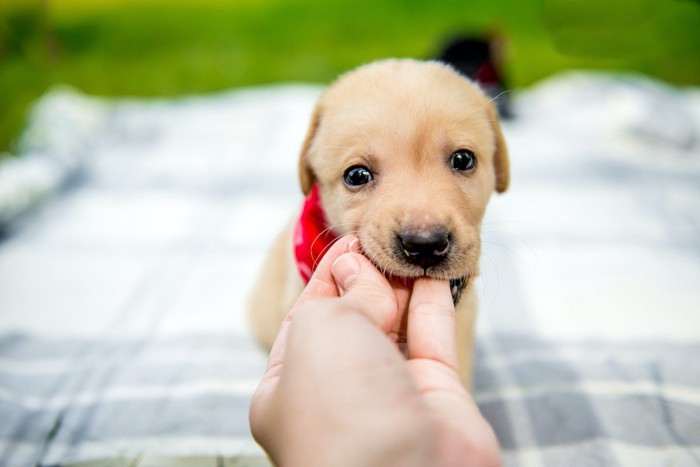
424,248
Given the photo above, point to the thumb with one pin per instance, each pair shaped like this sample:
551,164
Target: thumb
363,288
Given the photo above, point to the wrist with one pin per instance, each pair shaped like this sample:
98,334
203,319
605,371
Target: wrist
365,444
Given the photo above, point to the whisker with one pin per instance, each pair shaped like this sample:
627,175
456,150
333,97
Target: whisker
327,247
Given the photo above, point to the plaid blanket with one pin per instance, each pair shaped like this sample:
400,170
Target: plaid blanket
121,293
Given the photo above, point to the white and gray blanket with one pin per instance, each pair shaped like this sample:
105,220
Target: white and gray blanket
132,231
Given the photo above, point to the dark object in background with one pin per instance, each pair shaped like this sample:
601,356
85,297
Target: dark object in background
475,58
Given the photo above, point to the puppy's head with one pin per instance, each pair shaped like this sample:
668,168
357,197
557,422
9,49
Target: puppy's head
406,154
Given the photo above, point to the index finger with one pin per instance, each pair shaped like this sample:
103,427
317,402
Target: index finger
431,323
321,285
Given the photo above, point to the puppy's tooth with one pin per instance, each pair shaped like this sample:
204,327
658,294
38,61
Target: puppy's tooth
354,244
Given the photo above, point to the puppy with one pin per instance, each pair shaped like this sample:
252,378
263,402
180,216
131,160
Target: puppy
406,155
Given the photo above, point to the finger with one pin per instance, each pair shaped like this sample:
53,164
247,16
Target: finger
320,285
431,323
365,289
402,289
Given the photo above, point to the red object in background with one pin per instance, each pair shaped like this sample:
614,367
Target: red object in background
478,58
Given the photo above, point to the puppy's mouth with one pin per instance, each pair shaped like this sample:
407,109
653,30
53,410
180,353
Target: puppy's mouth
456,288
407,265
457,285
421,253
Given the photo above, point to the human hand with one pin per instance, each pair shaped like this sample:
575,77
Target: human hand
337,391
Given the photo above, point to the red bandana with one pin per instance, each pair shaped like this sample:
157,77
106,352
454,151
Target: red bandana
312,236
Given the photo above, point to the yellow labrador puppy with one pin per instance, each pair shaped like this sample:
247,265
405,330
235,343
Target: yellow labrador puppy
405,154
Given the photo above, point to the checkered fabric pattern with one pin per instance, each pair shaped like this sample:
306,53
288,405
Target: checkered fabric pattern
122,292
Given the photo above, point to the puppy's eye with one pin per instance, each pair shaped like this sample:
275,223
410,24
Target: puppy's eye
357,175
463,160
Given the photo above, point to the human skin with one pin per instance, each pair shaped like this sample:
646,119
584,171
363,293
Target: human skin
338,391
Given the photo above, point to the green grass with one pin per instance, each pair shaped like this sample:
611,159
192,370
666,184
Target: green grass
165,48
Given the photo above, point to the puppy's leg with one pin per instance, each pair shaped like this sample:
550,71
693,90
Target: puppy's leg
465,320
277,288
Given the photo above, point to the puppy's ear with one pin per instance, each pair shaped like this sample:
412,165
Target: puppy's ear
307,177
500,156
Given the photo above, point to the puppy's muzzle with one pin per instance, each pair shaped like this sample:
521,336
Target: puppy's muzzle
425,249
430,248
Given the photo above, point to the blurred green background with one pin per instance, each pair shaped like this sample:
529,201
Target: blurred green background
166,48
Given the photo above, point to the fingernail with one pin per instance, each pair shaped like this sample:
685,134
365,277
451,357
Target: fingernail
345,270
